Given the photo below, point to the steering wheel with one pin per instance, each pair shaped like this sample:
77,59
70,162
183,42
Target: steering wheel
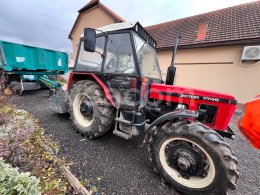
130,70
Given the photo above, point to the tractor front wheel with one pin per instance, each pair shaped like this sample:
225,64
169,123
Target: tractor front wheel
91,113
193,158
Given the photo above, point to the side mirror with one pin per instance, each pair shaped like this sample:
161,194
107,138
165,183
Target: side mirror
89,39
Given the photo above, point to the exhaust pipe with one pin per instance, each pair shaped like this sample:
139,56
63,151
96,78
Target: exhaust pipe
172,69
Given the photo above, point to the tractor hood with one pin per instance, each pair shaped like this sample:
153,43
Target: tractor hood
167,92
194,99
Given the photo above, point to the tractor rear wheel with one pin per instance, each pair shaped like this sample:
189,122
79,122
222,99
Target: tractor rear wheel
193,158
91,113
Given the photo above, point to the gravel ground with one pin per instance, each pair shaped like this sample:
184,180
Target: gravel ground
118,166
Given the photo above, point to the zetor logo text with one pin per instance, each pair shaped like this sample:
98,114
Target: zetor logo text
190,96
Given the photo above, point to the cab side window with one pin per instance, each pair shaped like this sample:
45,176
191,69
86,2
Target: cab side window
91,61
119,57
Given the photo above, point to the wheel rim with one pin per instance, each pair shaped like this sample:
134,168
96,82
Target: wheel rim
83,109
185,163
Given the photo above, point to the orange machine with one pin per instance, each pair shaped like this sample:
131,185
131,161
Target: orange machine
249,122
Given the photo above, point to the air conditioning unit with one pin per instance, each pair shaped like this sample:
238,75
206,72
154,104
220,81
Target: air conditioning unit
251,53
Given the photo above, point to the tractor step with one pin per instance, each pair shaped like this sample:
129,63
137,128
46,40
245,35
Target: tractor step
122,134
120,120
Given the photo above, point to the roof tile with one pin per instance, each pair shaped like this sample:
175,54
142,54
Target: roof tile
235,23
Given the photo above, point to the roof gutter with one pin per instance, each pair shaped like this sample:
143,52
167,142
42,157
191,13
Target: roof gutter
214,44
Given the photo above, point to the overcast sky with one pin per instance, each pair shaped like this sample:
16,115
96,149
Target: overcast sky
47,23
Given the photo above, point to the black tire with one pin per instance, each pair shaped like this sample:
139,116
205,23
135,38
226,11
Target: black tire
220,153
103,117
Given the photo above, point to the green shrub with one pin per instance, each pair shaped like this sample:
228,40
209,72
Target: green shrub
12,182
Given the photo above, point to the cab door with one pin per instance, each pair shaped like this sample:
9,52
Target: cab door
120,70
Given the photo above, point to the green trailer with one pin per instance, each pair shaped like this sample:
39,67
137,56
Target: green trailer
32,67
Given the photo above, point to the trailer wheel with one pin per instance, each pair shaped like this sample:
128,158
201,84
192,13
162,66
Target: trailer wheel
91,114
193,158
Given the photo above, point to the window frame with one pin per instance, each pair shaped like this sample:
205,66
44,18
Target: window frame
137,70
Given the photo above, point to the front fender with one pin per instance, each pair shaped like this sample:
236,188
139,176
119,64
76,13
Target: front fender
185,114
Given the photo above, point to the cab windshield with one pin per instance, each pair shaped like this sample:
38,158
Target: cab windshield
147,59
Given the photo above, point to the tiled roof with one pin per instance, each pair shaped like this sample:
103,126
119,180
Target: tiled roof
233,25
94,3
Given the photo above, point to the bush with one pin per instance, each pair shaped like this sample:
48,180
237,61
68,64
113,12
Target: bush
13,182
16,130
22,144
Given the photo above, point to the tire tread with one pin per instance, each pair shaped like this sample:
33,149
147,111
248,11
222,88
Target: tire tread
104,112
212,138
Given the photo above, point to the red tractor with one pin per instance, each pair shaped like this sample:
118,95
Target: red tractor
116,83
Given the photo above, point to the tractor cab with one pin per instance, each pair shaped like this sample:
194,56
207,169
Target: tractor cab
121,55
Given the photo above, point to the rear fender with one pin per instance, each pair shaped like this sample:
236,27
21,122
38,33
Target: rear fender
184,114
75,77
